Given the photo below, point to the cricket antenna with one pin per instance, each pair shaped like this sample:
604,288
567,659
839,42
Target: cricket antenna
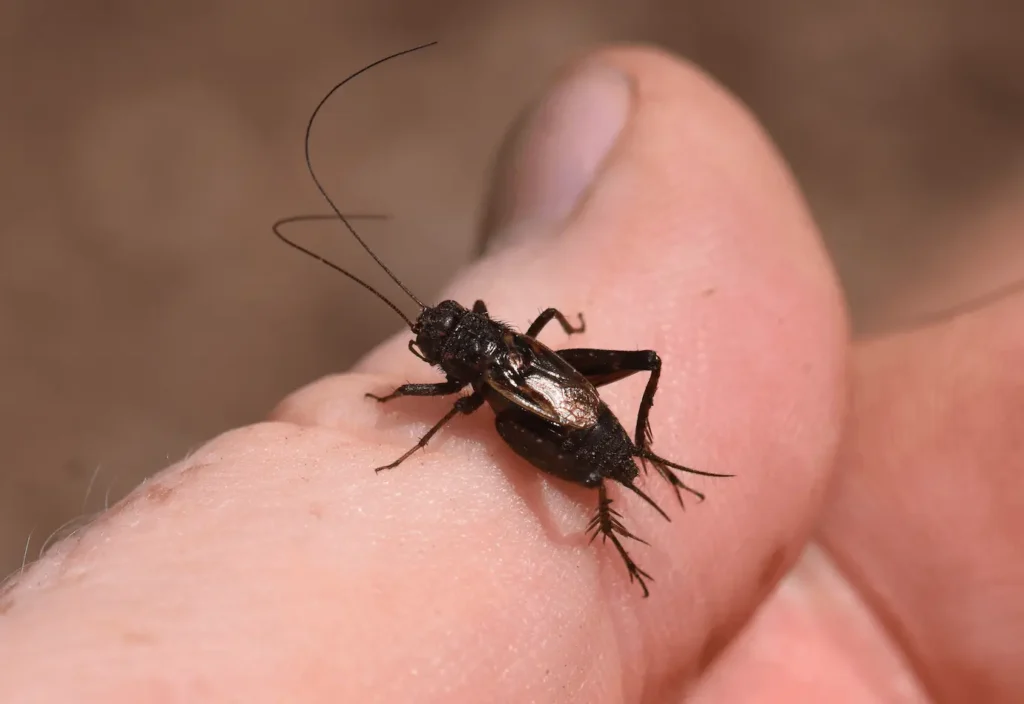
323,191
332,216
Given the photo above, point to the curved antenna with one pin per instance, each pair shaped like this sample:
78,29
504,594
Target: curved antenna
323,192
331,216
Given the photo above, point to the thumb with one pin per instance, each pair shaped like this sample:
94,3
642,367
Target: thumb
553,153
641,195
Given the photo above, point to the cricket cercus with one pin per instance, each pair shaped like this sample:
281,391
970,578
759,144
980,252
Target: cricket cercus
546,404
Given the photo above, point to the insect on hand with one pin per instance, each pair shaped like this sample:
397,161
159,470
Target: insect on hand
546,404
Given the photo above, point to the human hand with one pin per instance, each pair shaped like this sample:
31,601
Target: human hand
913,588
274,565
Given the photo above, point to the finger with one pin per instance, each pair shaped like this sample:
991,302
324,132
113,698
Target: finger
929,574
814,639
274,564
928,509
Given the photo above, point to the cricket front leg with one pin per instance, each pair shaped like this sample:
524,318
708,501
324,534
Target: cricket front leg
553,313
608,524
445,388
465,406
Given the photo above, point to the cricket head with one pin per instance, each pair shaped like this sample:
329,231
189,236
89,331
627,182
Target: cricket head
434,325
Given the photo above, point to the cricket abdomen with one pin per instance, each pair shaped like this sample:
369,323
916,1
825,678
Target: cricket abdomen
582,456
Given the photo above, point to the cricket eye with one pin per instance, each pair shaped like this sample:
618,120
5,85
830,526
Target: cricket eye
445,325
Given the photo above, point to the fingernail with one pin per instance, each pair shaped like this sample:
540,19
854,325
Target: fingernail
553,154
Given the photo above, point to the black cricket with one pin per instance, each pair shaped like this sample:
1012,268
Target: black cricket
546,404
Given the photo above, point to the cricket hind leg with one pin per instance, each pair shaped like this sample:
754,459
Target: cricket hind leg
465,405
607,522
602,367
664,467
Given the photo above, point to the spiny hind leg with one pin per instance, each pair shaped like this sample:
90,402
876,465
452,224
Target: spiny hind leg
603,367
678,485
664,467
607,523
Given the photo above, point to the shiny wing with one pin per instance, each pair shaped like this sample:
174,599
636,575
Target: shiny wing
538,380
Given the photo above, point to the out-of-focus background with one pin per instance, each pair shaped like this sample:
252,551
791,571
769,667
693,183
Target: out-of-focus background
147,147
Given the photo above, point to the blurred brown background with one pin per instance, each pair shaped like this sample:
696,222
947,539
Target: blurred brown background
147,147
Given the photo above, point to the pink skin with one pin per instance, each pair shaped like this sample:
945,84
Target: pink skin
274,565
915,591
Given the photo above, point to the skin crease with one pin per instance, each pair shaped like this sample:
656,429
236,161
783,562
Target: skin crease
274,565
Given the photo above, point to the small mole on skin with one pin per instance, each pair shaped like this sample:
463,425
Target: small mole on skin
6,605
708,292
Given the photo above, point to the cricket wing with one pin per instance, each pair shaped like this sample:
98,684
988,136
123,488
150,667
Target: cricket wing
546,385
